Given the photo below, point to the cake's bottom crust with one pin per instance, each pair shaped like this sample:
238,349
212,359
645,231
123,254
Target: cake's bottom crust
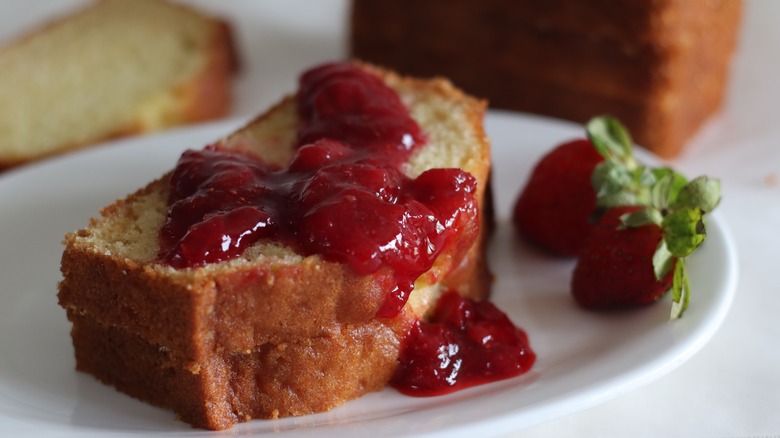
273,381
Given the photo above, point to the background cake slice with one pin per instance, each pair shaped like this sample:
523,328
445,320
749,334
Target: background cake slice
661,67
116,68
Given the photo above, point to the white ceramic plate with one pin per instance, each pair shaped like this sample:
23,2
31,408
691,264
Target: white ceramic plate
583,358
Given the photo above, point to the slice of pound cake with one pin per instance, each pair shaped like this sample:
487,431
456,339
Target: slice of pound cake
116,68
278,271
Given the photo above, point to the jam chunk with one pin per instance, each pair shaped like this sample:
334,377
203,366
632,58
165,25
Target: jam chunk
345,103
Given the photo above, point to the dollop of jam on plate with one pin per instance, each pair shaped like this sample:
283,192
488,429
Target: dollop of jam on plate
465,343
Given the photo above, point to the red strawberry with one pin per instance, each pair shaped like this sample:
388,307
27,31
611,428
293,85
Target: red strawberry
615,267
633,255
554,207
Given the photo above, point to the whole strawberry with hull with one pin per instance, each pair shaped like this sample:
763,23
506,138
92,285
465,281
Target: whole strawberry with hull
630,225
650,220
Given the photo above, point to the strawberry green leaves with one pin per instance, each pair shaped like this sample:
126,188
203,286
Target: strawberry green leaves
612,141
681,290
616,185
684,230
663,260
620,180
666,187
669,201
703,193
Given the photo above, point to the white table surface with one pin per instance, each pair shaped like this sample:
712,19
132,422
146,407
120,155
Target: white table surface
731,388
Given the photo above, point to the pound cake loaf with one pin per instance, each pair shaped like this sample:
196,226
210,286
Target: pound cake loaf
278,328
118,67
660,66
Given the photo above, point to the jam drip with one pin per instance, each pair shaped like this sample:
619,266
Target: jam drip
342,196
466,343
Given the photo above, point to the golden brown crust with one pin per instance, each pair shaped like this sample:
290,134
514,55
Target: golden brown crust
271,381
660,66
234,309
255,338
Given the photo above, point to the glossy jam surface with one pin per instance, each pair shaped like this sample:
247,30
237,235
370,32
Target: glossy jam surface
466,343
344,103
342,196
